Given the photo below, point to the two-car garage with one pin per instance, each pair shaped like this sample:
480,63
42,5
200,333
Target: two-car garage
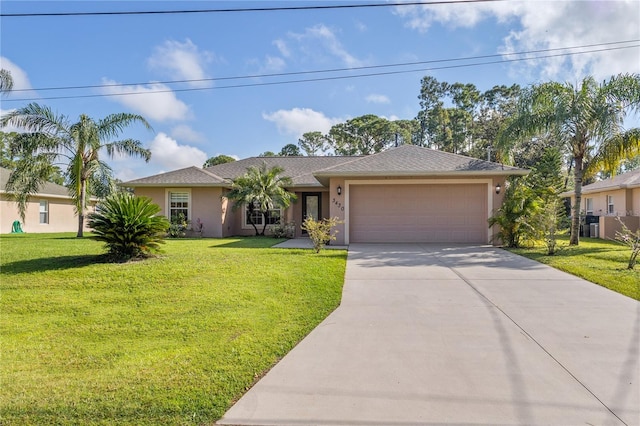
418,212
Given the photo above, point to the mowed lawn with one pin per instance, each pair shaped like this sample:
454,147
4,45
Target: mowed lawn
169,340
600,261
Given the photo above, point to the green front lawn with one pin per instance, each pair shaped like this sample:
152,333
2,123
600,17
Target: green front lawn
599,261
170,340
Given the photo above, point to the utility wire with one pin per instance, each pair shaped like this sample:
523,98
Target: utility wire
252,9
310,80
368,67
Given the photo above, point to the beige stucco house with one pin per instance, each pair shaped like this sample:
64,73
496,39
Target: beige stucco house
51,210
404,194
608,199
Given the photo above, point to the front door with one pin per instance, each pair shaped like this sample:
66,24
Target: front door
311,206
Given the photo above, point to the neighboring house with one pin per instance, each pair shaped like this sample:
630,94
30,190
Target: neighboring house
607,199
51,210
404,194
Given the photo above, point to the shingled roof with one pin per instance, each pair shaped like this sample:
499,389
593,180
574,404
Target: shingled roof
299,169
412,160
625,180
49,189
190,176
406,160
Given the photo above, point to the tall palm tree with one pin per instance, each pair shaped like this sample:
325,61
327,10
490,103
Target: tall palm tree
261,189
51,139
586,119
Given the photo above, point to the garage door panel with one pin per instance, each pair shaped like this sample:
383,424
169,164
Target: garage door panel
455,213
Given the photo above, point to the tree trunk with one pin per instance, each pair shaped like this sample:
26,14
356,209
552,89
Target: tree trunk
575,218
82,200
264,222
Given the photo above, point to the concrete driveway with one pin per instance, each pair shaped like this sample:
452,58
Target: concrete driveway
457,335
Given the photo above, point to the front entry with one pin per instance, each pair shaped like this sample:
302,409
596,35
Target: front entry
311,206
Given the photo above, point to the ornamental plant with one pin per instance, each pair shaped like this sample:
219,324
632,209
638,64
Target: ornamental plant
631,240
129,226
320,231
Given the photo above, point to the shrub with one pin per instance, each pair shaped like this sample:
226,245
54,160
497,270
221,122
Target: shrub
630,239
128,225
284,230
178,226
518,215
320,231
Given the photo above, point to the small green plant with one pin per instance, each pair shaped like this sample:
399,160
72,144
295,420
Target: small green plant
284,230
320,231
128,225
178,227
630,239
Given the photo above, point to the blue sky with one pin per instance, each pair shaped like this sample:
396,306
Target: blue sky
142,51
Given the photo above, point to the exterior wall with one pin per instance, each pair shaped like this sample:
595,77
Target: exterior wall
62,216
206,204
635,201
609,225
622,202
157,195
337,207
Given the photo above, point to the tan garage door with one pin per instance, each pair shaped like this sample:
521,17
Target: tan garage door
442,213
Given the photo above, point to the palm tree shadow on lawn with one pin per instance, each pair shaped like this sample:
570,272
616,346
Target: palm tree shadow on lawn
56,263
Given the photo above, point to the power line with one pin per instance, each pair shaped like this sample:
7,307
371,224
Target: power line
252,9
318,79
289,74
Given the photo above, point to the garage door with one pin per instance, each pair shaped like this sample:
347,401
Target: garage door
442,213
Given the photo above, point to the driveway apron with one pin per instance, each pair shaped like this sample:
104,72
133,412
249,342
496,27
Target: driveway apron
457,335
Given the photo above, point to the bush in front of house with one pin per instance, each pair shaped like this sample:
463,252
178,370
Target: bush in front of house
320,231
129,226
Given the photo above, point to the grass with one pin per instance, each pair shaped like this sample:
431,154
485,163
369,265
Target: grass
599,261
169,340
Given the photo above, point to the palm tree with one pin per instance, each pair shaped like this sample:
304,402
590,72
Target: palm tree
586,120
261,189
6,81
51,138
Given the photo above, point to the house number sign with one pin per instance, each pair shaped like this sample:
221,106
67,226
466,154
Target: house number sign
339,204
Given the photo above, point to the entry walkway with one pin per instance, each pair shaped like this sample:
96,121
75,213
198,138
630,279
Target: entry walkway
453,335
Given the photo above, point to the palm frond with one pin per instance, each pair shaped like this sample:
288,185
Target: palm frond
130,147
112,125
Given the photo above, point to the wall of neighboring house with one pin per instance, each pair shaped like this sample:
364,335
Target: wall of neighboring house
635,202
609,225
58,215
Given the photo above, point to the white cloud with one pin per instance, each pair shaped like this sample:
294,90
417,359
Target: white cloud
321,38
186,133
154,101
282,47
273,64
19,77
167,152
361,26
297,121
377,99
538,25
182,61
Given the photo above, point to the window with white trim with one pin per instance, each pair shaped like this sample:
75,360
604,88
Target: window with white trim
273,217
44,212
589,206
610,207
179,203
